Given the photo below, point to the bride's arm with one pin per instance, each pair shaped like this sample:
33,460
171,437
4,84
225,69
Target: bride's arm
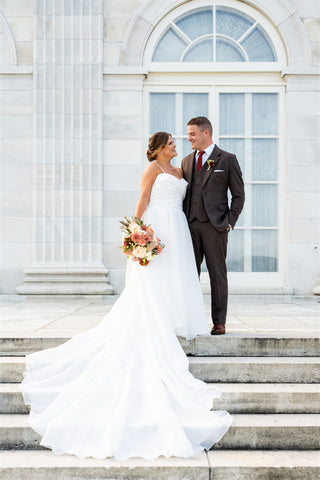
148,178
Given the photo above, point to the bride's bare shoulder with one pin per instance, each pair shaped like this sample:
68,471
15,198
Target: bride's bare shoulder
150,172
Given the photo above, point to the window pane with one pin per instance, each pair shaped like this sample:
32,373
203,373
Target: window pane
258,46
231,113
170,48
230,23
231,26
236,146
264,251
227,51
186,147
162,112
235,251
176,161
196,24
202,51
194,105
264,205
264,159
265,113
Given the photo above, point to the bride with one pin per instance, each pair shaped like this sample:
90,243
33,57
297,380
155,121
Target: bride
123,388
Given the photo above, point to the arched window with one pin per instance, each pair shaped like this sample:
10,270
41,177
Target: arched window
214,34
224,63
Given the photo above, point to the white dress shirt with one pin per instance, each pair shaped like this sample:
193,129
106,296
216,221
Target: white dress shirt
206,155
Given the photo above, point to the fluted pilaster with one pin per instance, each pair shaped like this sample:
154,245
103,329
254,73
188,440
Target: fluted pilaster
68,142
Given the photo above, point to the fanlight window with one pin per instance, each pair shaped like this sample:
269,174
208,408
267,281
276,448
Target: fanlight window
218,34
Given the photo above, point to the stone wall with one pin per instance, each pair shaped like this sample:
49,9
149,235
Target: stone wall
16,140
123,142
303,161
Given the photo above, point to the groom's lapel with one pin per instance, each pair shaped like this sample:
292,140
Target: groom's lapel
189,167
215,156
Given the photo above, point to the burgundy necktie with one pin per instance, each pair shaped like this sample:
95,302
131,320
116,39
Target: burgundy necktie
199,161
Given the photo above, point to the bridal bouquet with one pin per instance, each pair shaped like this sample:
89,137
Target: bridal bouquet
139,241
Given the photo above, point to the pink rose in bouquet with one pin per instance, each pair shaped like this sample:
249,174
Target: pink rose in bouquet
139,241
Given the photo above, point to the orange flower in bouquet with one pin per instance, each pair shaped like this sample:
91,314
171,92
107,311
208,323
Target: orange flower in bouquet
139,241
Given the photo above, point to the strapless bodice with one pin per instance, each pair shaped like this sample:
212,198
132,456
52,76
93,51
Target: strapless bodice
167,192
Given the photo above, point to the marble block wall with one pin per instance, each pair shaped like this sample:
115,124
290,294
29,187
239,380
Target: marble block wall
124,158
303,161
16,171
303,187
115,177
124,161
16,178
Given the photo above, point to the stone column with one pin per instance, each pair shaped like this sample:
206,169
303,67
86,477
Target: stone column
68,156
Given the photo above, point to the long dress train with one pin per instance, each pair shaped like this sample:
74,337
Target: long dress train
123,388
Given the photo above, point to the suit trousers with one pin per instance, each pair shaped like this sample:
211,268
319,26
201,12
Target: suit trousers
210,244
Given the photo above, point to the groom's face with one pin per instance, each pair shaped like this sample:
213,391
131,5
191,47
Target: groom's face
198,138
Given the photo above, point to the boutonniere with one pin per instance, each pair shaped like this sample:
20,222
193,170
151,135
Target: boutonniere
210,163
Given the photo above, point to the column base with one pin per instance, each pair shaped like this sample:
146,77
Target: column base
66,281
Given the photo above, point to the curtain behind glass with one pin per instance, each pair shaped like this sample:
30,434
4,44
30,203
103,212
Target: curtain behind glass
235,257
170,47
227,51
230,23
265,159
264,251
232,114
170,112
231,26
162,112
202,51
265,114
194,105
196,24
258,46
246,115
264,205
236,146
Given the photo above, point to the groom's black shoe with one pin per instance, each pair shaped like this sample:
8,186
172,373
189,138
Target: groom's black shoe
218,329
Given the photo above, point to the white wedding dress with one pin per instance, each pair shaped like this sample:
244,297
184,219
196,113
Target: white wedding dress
123,388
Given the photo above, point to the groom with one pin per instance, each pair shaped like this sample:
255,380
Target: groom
210,172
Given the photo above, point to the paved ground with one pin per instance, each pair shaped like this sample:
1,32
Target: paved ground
295,317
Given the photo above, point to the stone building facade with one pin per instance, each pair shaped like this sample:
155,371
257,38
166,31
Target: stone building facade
84,83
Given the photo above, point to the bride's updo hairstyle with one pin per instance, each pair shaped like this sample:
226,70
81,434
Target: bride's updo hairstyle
156,142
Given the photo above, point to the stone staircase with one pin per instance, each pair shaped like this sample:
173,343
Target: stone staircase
270,384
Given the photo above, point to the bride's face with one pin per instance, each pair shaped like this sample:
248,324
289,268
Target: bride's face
169,150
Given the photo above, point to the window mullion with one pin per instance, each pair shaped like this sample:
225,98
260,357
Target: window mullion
179,114
247,33
181,33
214,34
248,172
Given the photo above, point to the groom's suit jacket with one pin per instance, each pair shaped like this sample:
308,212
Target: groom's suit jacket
225,174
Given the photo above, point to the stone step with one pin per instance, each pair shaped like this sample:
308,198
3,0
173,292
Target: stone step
264,465
244,345
217,465
231,344
273,431
256,369
235,397
217,369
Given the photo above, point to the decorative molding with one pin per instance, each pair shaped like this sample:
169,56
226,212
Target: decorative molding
68,150
62,281
300,71
279,13
125,70
10,41
15,70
